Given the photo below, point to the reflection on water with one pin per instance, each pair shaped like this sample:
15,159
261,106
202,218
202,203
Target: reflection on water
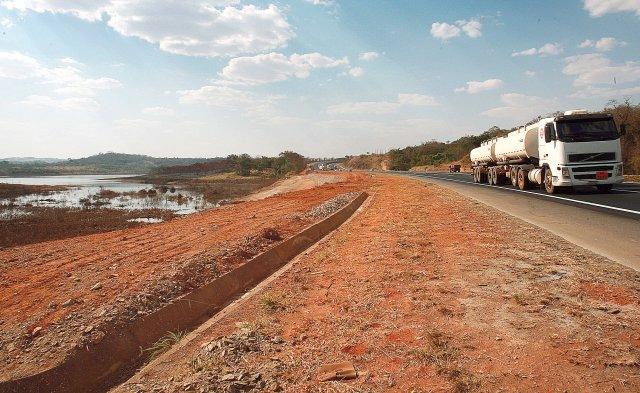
106,191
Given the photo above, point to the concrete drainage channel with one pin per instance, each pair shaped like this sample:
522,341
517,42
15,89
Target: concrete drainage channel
117,355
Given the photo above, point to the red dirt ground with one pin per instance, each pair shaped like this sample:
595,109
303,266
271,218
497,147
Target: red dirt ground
112,278
424,290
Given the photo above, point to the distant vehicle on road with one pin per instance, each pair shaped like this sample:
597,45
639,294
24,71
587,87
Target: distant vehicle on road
454,168
573,149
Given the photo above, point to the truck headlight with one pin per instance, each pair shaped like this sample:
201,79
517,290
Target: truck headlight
619,170
565,173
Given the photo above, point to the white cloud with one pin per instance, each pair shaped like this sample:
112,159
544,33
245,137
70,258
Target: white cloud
274,67
250,104
604,44
356,72
15,65
599,8
520,106
321,2
368,56
529,74
586,44
471,27
545,50
71,62
416,100
363,107
608,43
158,111
186,27
6,23
90,10
217,96
444,31
595,68
70,88
62,103
381,107
474,87
605,92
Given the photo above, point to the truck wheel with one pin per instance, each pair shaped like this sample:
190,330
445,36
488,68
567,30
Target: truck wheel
476,175
513,173
490,177
604,188
523,181
548,182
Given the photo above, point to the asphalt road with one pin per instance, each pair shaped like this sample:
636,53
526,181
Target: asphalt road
607,224
623,200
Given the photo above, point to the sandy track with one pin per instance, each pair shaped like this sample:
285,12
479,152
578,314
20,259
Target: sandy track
131,272
426,290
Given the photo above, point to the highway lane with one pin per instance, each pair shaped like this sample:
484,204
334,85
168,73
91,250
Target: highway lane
623,200
607,224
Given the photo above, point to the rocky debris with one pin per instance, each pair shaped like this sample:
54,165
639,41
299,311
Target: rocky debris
67,303
271,234
331,206
36,331
96,287
337,371
219,366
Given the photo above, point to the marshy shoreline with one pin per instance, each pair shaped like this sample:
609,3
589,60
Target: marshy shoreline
38,213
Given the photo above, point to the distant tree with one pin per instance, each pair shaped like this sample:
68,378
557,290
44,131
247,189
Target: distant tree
243,165
289,162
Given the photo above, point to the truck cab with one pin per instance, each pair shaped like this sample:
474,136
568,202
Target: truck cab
580,149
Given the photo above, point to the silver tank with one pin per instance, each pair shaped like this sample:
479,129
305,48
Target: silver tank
484,153
518,145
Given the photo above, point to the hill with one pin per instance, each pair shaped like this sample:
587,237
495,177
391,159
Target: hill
104,163
26,160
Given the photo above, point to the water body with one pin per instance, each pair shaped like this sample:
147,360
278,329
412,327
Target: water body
97,191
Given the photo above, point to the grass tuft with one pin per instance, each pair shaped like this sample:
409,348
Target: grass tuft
163,344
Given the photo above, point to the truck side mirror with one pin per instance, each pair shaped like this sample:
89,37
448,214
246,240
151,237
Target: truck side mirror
623,129
548,133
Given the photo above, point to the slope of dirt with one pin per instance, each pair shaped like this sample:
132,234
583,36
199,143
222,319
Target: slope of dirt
56,296
295,183
424,290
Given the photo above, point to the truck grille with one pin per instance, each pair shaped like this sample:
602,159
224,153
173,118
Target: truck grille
593,168
587,157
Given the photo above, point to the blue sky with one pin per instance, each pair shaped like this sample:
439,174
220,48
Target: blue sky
322,77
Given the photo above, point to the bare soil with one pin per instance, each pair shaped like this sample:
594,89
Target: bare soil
59,295
424,290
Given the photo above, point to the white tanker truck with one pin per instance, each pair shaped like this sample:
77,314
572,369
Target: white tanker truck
573,149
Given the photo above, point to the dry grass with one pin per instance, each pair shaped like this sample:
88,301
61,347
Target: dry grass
50,223
270,303
9,191
163,345
445,357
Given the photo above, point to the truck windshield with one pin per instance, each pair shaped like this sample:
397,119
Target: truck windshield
587,130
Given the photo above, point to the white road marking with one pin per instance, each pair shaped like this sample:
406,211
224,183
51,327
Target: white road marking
535,193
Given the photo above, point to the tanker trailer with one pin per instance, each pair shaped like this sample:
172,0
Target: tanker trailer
573,149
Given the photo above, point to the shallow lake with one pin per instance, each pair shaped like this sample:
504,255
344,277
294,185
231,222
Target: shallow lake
106,191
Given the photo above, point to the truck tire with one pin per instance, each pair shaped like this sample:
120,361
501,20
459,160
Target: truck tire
476,175
548,182
513,174
490,177
605,188
522,180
